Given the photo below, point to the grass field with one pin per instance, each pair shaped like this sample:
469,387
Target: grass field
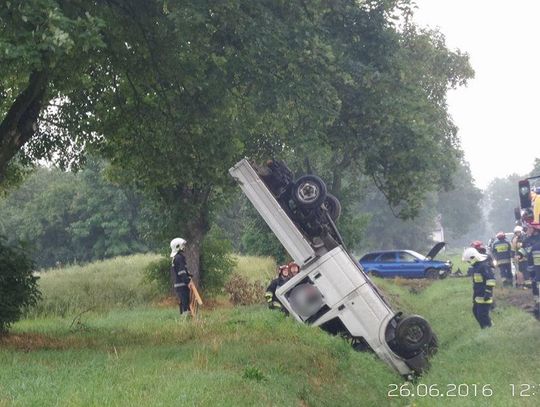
138,352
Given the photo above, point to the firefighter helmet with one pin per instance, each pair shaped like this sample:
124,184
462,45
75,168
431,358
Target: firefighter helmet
177,244
477,244
293,267
471,255
518,229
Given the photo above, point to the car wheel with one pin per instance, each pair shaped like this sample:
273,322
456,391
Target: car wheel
333,206
372,273
309,191
432,274
413,333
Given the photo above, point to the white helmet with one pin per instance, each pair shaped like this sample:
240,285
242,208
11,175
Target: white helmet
518,229
177,244
471,255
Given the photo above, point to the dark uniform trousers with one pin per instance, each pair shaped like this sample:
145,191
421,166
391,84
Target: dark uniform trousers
481,313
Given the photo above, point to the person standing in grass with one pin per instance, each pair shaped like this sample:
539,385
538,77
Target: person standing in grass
502,250
182,278
483,283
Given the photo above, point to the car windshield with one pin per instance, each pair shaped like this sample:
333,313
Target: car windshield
416,254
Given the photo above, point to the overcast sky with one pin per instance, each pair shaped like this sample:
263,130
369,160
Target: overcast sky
497,113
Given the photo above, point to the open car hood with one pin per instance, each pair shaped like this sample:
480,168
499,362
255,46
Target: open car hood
435,250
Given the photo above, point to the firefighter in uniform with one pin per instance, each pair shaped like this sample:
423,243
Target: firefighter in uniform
534,264
181,276
270,295
483,283
502,252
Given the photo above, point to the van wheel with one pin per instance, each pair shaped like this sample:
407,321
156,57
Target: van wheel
309,191
413,333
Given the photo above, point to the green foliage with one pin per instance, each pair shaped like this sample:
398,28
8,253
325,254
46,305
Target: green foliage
18,285
46,48
178,92
217,261
253,373
67,217
159,272
259,240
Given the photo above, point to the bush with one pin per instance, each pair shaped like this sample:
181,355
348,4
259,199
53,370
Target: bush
243,292
217,261
18,286
159,271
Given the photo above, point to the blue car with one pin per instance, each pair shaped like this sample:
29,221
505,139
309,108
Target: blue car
406,263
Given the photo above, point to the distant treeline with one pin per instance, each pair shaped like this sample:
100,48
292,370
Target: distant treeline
66,217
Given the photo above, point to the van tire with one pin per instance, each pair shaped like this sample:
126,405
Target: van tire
309,191
413,333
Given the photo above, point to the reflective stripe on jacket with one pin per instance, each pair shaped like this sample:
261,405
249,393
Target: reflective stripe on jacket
502,251
483,282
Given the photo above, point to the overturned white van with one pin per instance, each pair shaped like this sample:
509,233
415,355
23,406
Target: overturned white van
331,291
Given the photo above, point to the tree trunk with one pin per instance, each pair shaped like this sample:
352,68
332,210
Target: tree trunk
196,231
21,121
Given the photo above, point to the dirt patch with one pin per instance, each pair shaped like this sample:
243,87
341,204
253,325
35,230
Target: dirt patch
208,303
517,297
214,303
167,302
29,342
414,285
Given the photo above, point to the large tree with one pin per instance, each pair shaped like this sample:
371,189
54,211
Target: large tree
174,92
45,46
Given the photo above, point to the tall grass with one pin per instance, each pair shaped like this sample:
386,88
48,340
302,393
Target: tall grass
98,286
146,356
475,358
256,268
252,356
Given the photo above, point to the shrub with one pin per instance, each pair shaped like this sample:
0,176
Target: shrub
159,271
217,261
243,292
18,286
